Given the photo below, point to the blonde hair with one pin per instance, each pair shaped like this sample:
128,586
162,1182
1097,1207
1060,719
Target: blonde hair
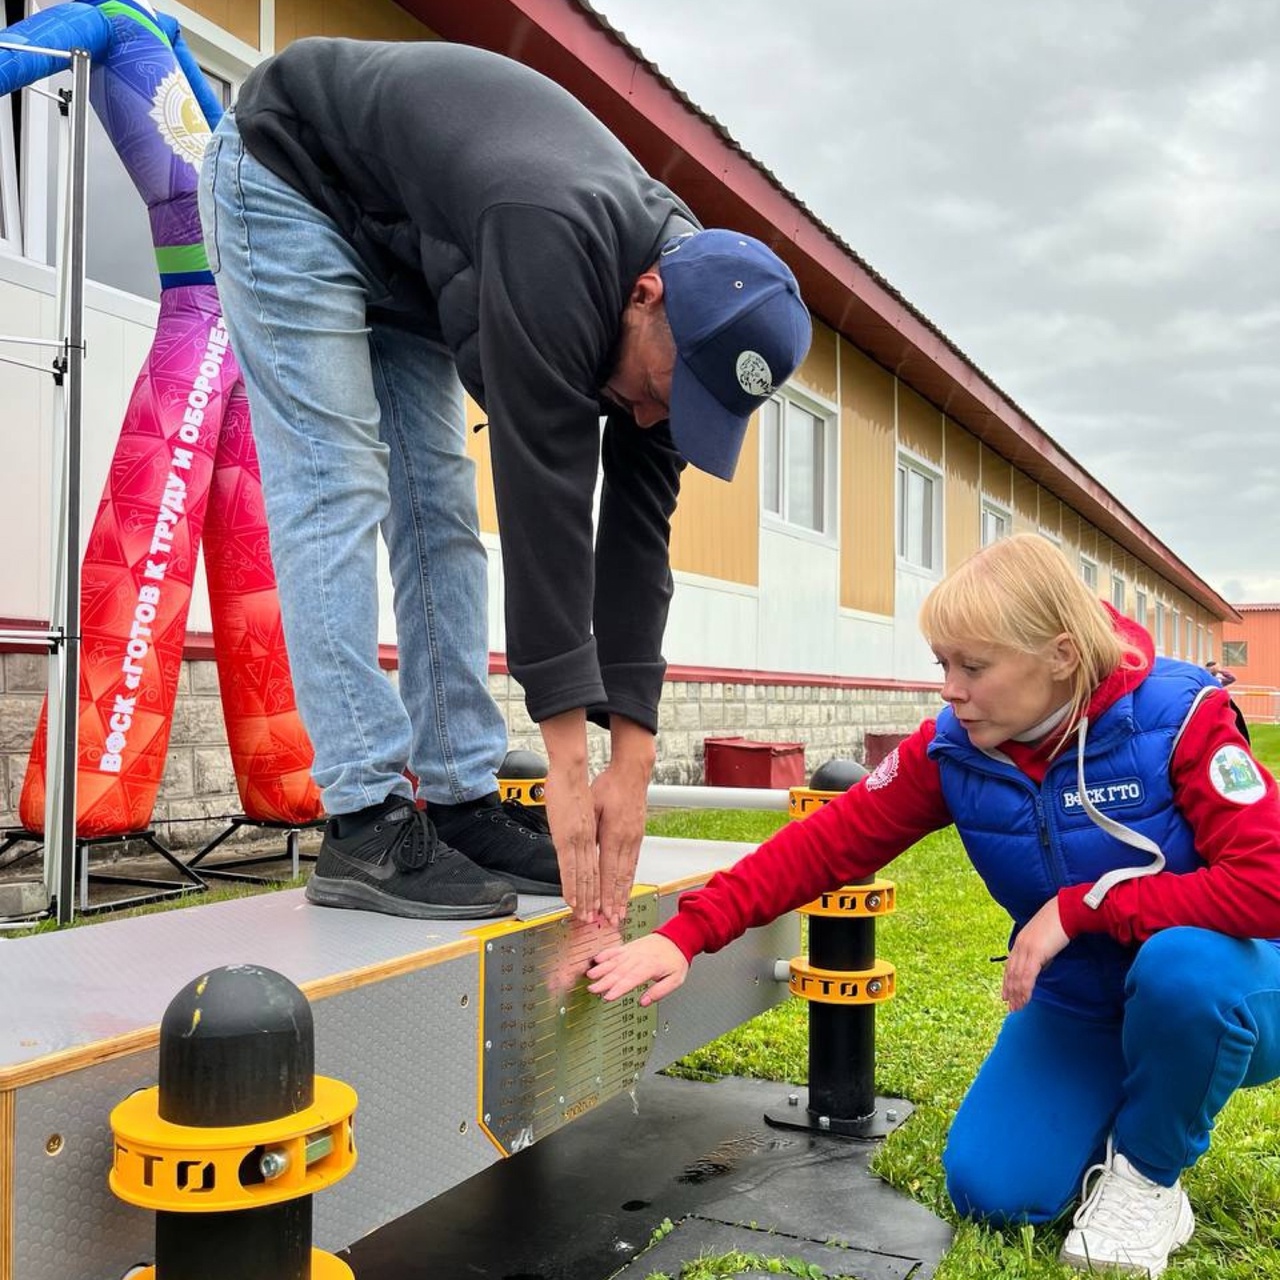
1021,594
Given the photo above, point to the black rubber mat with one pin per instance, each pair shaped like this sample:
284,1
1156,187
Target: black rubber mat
638,1188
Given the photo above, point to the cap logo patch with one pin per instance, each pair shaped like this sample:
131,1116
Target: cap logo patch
754,374
1235,777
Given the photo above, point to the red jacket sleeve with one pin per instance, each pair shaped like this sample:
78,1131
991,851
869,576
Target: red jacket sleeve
847,840
1237,892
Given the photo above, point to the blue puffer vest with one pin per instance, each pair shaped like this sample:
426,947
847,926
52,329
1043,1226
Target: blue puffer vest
1028,841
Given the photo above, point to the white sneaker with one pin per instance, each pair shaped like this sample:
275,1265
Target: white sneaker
1126,1222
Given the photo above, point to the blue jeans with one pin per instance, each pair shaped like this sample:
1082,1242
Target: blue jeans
358,426
1201,1020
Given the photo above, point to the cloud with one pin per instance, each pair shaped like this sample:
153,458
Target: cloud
1083,194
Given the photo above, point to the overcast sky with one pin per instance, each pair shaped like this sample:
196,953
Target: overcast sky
1084,195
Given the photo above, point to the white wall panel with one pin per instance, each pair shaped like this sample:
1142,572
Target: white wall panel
712,623
912,658
799,598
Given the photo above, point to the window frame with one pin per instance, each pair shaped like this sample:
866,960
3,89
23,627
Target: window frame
906,464
1089,572
1235,653
1140,607
997,510
1117,580
828,415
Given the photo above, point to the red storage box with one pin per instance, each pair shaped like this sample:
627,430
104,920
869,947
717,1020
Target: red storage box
739,762
878,745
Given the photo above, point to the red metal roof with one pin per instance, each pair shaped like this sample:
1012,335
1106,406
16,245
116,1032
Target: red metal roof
693,154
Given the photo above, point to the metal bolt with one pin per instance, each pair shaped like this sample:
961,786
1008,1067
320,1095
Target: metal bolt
464,999
272,1164
488,1044
562,1011
890,1114
53,1144
793,1099
874,987
462,1128
487,1117
873,901
562,1099
824,1122
488,946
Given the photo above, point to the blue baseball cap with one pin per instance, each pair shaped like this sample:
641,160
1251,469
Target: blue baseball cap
740,330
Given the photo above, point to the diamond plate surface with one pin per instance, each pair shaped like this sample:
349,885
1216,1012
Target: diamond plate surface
553,1051
67,1224
408,1047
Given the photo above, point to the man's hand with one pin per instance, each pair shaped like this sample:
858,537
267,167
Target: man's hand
571,811
617,970
1037,944
621,798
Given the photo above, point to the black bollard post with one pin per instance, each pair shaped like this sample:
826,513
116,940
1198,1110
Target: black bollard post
843,982
239,1134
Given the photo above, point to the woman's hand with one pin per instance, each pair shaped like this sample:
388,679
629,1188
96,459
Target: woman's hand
653,958
1038,942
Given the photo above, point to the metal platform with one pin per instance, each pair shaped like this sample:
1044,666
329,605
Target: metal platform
411,1013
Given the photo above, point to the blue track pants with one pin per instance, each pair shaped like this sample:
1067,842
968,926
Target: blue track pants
1201,1019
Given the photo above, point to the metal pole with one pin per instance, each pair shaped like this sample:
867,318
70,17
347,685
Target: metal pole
60,811
669,796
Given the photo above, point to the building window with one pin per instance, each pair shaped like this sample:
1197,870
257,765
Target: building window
1140,607
1159,633
797,464
996,522
1202,646
1189,646
919,515
1089,572
1174,633
1117,593
1048,536
1235,653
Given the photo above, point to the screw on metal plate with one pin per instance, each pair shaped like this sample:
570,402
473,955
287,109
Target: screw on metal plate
53,1144
272,1164
464,999
793,1099
824,1122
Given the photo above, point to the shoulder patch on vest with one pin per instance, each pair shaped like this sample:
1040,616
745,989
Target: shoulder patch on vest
1235,777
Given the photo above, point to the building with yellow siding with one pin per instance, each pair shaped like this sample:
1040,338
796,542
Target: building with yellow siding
888,459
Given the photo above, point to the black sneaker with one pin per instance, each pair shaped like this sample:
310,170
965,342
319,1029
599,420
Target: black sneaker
517,849
388,858
533,816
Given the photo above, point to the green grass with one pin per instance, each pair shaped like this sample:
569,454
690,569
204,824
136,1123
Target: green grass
1266,745
930,1041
